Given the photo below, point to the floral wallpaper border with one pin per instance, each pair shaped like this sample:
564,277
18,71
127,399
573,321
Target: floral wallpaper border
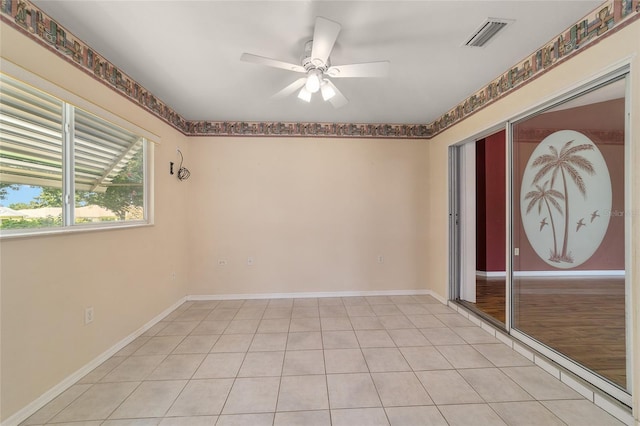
26,17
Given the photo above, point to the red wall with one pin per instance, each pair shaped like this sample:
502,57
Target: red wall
491,203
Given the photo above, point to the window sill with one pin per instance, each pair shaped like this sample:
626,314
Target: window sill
76,229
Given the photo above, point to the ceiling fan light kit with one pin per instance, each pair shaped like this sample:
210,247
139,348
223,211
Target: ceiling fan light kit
316,65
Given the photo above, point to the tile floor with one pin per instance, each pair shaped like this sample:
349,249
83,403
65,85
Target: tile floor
383,360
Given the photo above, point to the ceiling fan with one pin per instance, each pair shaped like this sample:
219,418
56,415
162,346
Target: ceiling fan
317,66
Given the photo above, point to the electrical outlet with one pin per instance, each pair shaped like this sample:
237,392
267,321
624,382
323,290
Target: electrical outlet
250,261
380,258
222,261
88,315
516,251
173,276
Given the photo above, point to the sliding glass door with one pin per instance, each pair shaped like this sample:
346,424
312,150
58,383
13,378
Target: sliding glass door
569,233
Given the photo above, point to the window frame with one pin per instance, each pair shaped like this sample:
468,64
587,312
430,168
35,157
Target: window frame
71,102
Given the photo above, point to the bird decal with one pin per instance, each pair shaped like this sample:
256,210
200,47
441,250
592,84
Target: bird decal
580,224
543,222
594,215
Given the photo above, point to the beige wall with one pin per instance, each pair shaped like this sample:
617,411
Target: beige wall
617,48
124,274
315,214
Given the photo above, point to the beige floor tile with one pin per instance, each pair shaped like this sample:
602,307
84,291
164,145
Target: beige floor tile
201,398
395,322
262,364
335,324
474,335
386,309
333,311
298,363
448,387
133,346
424,358
204,304
305,302
277,313
300,393
252,395
493,385
96,403
359,416
345,361
454,320
366,323
339,339
150,399
360,311
176,367
439,308
45,414
385,359
262,419
269,342
378,300
304,340
220,365
231,304
210,327
250,312
242,326
401,300
189,421
82,423
463,356
162,345
134,368
581,413
355,301
127,422
102,370
303,418
374,339
526,414
220,314
280,303
471,414
415,416
196,344
352,391
408,337
304,324
305,312
413,309
442,336
276,325
233,343
178,328
426,321
502,355
192,315
400,389
330,301
539,383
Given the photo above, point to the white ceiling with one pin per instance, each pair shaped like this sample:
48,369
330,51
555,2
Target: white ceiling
187,53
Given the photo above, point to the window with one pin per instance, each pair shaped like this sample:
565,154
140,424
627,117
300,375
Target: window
63,167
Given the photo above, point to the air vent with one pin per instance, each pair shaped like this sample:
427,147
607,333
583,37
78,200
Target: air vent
486,32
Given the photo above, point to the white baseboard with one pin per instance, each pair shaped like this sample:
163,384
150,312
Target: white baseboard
319,294
552,274
69,381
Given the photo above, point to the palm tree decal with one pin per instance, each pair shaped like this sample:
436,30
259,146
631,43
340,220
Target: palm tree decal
566,162
545,196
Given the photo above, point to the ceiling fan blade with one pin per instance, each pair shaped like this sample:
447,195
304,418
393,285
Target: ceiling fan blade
367,69
338,100
290,88
248,57
324,37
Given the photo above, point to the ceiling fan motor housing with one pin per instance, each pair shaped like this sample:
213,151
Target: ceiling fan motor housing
309,63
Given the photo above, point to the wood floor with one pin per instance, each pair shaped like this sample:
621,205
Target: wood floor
583,318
